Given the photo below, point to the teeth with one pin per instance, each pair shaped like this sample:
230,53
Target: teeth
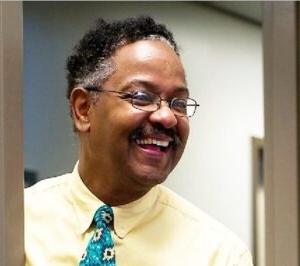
161,143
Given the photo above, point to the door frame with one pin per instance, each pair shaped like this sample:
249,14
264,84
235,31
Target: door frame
281,93
11,135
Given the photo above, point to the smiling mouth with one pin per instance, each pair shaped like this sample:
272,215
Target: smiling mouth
154,143
155,138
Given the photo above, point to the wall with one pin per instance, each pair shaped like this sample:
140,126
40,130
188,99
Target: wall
223,60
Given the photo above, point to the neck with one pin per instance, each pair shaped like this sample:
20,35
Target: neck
107,187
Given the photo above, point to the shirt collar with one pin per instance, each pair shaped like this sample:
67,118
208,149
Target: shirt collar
126,217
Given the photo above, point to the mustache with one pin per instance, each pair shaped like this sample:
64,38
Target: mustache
157,129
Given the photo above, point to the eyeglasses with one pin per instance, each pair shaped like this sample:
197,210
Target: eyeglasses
150,102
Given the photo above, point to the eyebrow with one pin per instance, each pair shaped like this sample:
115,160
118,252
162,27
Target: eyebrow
154,87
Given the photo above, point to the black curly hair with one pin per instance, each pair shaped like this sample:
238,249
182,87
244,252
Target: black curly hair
90,64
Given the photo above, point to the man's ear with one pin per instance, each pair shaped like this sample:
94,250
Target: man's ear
80,105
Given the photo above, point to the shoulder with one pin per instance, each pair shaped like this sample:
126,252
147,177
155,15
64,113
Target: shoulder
48,213
180,205
51,184
201,224
46,192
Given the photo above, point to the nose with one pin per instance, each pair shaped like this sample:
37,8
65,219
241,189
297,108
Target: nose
164,116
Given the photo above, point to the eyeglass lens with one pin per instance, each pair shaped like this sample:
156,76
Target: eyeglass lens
150,102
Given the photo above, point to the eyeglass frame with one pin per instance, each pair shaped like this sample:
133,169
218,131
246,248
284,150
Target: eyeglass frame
130,94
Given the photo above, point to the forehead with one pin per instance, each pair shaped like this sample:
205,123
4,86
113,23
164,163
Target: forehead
151,62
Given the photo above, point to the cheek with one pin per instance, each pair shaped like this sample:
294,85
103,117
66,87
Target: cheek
184,129
124,120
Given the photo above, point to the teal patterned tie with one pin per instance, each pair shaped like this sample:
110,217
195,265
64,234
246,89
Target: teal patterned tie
100,250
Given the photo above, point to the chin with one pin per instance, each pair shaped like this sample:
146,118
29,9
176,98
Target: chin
150,178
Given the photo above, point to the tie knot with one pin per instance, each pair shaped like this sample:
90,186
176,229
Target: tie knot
104,216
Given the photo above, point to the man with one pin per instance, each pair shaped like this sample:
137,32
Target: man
130,107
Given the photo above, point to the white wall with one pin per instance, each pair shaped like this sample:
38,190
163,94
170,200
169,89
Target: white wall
223,60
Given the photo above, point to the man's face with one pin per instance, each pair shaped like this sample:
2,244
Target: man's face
124,143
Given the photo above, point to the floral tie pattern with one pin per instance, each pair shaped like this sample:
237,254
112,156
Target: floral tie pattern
100,250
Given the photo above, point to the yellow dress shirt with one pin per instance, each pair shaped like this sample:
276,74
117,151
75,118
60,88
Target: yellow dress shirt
159,229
